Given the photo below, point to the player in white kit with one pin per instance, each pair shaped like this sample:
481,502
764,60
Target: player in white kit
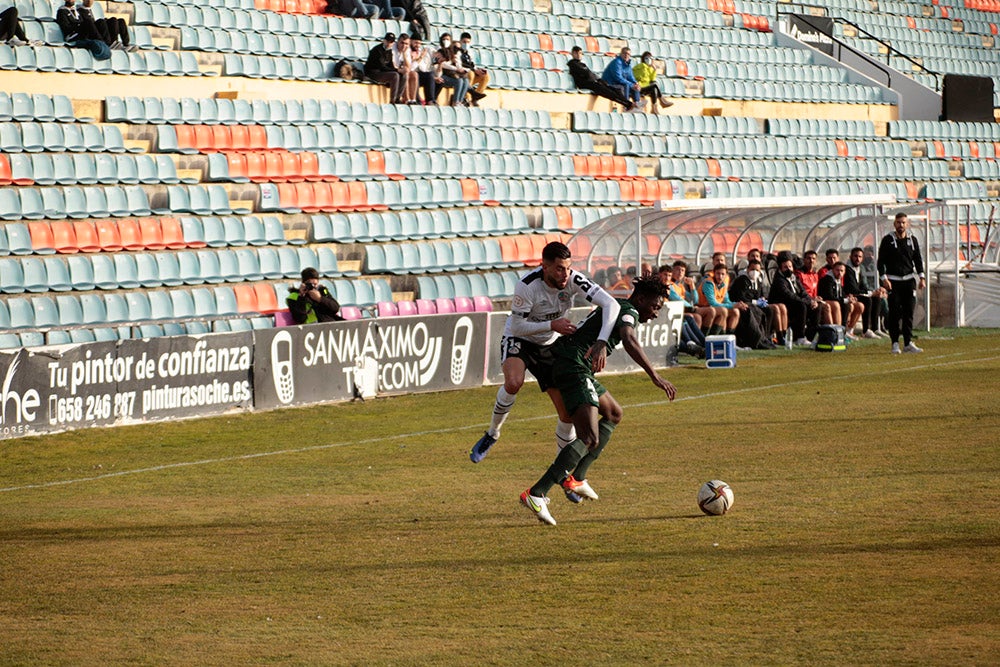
542,299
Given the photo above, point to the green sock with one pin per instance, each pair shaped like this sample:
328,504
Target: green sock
715,330
565,462
605,428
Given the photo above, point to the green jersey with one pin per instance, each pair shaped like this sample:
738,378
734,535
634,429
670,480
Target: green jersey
576,344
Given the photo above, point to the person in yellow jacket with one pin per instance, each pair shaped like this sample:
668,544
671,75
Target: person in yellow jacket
645,75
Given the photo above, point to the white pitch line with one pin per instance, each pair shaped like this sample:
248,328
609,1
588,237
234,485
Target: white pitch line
314,448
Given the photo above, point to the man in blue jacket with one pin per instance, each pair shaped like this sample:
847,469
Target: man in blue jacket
618,74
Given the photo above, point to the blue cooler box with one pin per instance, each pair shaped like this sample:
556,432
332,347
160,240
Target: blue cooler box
720,351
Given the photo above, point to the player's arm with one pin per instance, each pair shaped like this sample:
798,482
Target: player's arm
596,295
634,350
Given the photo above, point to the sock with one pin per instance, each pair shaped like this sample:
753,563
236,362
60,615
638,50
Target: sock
731,332
715,330
501,409
565,434
565,462
604,429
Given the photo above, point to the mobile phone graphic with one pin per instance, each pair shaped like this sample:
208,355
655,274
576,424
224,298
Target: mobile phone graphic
461,342
281,366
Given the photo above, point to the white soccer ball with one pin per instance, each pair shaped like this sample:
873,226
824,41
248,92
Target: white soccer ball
715,497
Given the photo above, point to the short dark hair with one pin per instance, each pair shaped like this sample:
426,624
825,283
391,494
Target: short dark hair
856,249
309,273
836,264
832,251
809,252
900,215
465,35
718,266
649,286
576,49
666,268
555,250
753,262
680,262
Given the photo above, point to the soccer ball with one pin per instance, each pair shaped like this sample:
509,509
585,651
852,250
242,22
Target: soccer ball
715,497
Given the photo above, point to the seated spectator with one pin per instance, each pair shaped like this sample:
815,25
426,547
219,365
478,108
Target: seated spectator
11,30
616,281
453,75
761,318
78,30
479,78
618,75
311,302
645,76
683,288
586,79
845,309
402,60
692,338
832,257
112,31
802,308
379,68
856,285
714,293
420,25
428,74
388,12
880,307
355,9
809,279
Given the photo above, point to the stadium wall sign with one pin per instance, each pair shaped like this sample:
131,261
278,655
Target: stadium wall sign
124,382
658,338
320,362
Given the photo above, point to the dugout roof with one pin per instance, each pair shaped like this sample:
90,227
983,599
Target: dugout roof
693,230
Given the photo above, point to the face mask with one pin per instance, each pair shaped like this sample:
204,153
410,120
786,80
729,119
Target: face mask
445,43
648,61
788,273
753,275
465,46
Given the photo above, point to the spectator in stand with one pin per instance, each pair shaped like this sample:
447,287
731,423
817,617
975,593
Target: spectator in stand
311,302
832,257
616,281
352,8
645,76
692,338
387,11
428,75
714,293
479,78
420,25
11,30
618,75
809,279
586,79
802,308
761,318
856,284
453,75
112,31
402,60
379,68
902,269
880,311
78,30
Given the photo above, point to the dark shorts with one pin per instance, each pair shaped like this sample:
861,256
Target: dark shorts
537,358
577,385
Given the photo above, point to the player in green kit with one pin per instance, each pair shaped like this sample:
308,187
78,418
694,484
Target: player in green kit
576,358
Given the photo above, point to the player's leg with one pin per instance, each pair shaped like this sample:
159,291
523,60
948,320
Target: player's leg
611,415
514,368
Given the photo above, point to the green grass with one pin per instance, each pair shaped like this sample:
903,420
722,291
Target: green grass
866,528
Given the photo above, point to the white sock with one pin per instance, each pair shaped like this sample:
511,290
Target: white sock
501,409
565,433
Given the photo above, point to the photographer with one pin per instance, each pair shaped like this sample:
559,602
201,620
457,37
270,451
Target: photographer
311,302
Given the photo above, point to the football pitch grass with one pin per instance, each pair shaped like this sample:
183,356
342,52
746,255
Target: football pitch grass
866,527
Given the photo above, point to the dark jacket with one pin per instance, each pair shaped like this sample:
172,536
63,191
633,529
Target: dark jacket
830,289
307,311
787,290
379,61
900,258
583,76
744,290
855,283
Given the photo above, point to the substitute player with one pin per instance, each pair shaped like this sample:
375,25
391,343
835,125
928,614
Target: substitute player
542,299
595,413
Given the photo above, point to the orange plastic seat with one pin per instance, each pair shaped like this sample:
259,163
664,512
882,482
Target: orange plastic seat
42,240
151,233
6,175
86,236
131,234
267,300
173,234
470,189
246,298
108,235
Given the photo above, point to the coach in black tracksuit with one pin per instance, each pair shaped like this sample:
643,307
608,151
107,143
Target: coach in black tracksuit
901,270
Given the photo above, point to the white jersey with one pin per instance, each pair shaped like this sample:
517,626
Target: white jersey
535,305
